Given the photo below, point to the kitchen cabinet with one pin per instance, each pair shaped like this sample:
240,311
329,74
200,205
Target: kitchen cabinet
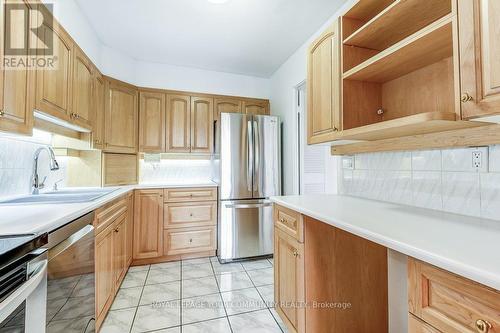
450,303
151,122
189,240
129,227
188,214
83,94
289,287
226,104
317,263
119,169
255,107
104,271
202,124
479,57
17,87
148,224
323,87
178,128
98,108
54,86
416,325
120,249
121,117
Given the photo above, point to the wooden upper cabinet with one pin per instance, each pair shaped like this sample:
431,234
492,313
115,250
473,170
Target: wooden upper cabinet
16,86
151,122
99,102
202,124
148,224
256,107
178,124
231,105
54,86
121,118
479,57
323,87
83,83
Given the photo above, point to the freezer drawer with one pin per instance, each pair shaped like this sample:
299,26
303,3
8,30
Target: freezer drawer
245,229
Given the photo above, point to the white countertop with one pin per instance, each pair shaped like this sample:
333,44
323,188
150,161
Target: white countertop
35,218
467,246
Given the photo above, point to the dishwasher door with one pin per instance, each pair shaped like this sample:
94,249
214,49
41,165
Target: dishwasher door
245,229
71,277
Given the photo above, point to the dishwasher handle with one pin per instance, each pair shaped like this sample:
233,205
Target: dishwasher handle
249,205
71,240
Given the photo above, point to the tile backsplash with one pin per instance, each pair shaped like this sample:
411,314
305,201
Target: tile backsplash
436,179
16,162
176,171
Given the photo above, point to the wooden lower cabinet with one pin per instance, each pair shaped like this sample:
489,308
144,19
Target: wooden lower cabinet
189,240
450,303
416,325
104,280
289,280
119,248
129,227
331,281
148,224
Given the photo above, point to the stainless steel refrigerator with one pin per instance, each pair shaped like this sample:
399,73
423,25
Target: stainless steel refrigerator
250,173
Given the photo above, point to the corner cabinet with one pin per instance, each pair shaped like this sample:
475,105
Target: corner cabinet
479,57
121,117
151,122
323,87
17,87
148,224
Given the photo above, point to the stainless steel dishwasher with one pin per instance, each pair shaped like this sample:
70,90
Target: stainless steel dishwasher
71,278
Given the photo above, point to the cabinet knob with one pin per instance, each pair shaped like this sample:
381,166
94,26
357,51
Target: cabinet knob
482,326
1,113
116,230
282,220
335,129
295,253
466,98
191,215
190,240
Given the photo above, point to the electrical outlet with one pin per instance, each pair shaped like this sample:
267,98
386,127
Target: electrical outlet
480,159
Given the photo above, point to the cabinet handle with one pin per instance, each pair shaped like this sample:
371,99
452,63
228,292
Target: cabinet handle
482,326
282,220
190,240
116,230
191,215
1,113
466,98
335,129
295,253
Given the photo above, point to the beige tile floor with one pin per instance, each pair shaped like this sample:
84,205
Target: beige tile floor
196,296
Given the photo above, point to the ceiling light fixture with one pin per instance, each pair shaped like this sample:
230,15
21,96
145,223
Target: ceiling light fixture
218,1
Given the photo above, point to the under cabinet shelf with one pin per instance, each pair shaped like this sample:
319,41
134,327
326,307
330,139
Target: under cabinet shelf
422,123
397,21
419,50
364,10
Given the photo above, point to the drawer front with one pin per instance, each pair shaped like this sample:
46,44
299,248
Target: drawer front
289,221
416,325
109,213
190,214
190,194
451,303
189,240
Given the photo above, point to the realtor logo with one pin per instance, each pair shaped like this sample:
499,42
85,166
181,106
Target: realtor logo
28,43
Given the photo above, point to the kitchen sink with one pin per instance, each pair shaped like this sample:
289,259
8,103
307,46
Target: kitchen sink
60,197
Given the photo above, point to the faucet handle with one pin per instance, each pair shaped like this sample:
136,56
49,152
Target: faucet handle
55,188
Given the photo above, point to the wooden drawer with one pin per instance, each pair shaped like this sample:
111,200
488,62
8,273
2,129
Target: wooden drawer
289,221
450,303
189,214
189,240
416,325
190,194
108,213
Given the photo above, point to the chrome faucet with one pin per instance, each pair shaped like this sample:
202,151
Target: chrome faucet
35,183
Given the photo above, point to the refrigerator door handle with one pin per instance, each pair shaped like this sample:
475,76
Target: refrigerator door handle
256,168
250,155
252,205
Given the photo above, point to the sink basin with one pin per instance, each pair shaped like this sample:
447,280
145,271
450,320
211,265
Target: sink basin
60,197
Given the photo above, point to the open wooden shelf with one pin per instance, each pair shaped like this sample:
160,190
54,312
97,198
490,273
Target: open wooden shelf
419,50
398,21
421,123
364,10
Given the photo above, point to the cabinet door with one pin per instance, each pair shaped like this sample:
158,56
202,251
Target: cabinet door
178,124
54,86
230,105
98,118
104,271
148,224
82,89
16,86
256,107
121,118
323,87
129,228
151,122
479,57
119,249
202,125
289,280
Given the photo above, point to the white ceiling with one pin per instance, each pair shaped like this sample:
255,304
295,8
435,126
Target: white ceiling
251,37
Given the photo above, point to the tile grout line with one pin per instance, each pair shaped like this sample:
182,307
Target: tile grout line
138,304
220,295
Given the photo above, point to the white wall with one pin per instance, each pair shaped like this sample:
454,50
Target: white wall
283,82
